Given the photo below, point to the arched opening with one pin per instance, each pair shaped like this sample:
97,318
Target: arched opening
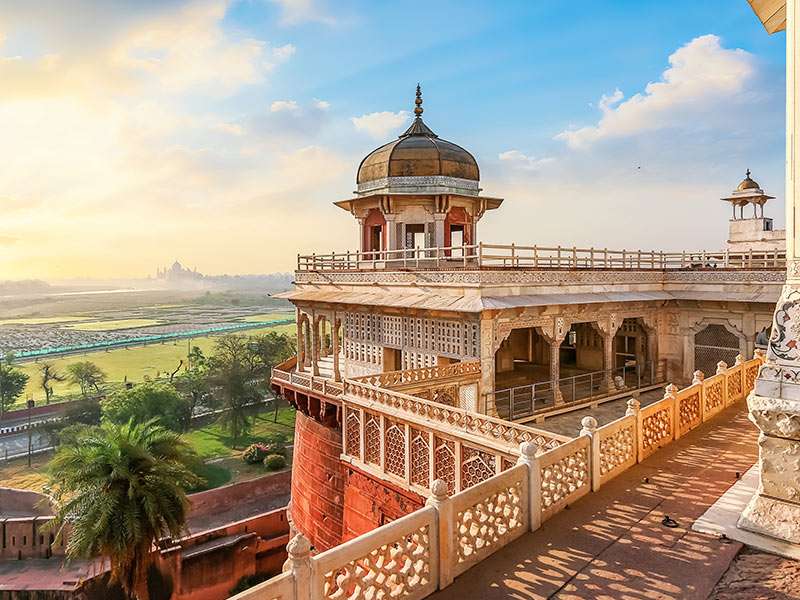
374,231
712,344
457,228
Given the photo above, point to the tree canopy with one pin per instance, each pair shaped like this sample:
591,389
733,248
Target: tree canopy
121,488
151,400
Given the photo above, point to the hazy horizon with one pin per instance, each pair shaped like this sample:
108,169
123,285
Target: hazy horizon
137,132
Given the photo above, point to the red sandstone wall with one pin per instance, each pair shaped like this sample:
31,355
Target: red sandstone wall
317,482
370,502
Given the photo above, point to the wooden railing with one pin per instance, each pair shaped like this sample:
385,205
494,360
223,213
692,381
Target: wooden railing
539,257
424,551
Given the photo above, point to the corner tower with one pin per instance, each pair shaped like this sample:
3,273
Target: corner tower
418,191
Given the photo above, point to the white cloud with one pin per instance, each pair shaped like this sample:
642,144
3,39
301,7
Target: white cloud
294,12
380,124
702,74
284,52
284,106
322,104
523,161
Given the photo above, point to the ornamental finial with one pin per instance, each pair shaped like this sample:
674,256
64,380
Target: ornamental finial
418,102
746,173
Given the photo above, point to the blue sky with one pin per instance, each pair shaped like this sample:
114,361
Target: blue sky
218,132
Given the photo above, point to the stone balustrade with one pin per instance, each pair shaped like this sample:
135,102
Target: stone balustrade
326,386
469,370
412,557
516,256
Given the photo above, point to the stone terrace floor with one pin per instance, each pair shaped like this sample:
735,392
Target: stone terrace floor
611,544
570,423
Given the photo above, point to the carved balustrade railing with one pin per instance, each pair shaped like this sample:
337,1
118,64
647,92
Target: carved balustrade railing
424,551
408,377
446,418
539,257
286,373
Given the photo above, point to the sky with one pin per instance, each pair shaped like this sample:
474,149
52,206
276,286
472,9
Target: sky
219,132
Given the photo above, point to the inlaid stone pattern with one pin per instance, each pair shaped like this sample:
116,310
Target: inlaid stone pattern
713,396
689,410
616,449
444,465
486,524
735,385
394,570
564,477
476,466
353,436
420,458
395,449
656,427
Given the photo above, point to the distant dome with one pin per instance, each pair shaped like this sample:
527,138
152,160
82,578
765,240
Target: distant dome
748,184
418,153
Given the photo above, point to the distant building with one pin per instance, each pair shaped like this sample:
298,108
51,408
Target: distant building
756,233
177,272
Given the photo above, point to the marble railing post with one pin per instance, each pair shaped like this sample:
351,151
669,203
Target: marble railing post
774,404
445,520
589,429
337,376
299,564
314,345
527,456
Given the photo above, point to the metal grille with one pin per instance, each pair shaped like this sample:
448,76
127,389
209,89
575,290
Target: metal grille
713,344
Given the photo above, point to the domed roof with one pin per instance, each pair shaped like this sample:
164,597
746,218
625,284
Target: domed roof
748,184
418,152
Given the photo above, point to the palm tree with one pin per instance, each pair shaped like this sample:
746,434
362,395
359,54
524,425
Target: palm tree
119,489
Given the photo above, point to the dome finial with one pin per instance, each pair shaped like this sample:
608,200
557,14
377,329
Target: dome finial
747,173
418,102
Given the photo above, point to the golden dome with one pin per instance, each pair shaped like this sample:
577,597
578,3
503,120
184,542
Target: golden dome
418,153
748,184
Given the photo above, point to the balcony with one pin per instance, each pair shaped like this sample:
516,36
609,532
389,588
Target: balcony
499,256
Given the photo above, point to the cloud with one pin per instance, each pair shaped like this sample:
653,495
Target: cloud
291,120
284,106
294,12
380,124
178,49
522,161
702,74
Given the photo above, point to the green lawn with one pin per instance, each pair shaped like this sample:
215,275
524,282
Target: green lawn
211,442
134,363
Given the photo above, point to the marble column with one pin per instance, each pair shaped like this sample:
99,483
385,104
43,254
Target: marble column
314,345
438,229
555,369
774,405
301,348
335,342
608,359
391,232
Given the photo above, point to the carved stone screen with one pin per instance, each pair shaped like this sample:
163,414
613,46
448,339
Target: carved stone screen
713,344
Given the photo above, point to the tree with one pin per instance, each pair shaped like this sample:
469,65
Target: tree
86,375
49,375
120,488
149,401
12,382
233,369
194,381
271,349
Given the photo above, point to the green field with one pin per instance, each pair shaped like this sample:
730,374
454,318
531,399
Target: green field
114,325
134,363
42,320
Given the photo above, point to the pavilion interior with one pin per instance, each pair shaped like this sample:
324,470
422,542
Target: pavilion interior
524,357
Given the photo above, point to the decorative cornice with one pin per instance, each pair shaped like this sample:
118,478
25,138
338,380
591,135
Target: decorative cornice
431,184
